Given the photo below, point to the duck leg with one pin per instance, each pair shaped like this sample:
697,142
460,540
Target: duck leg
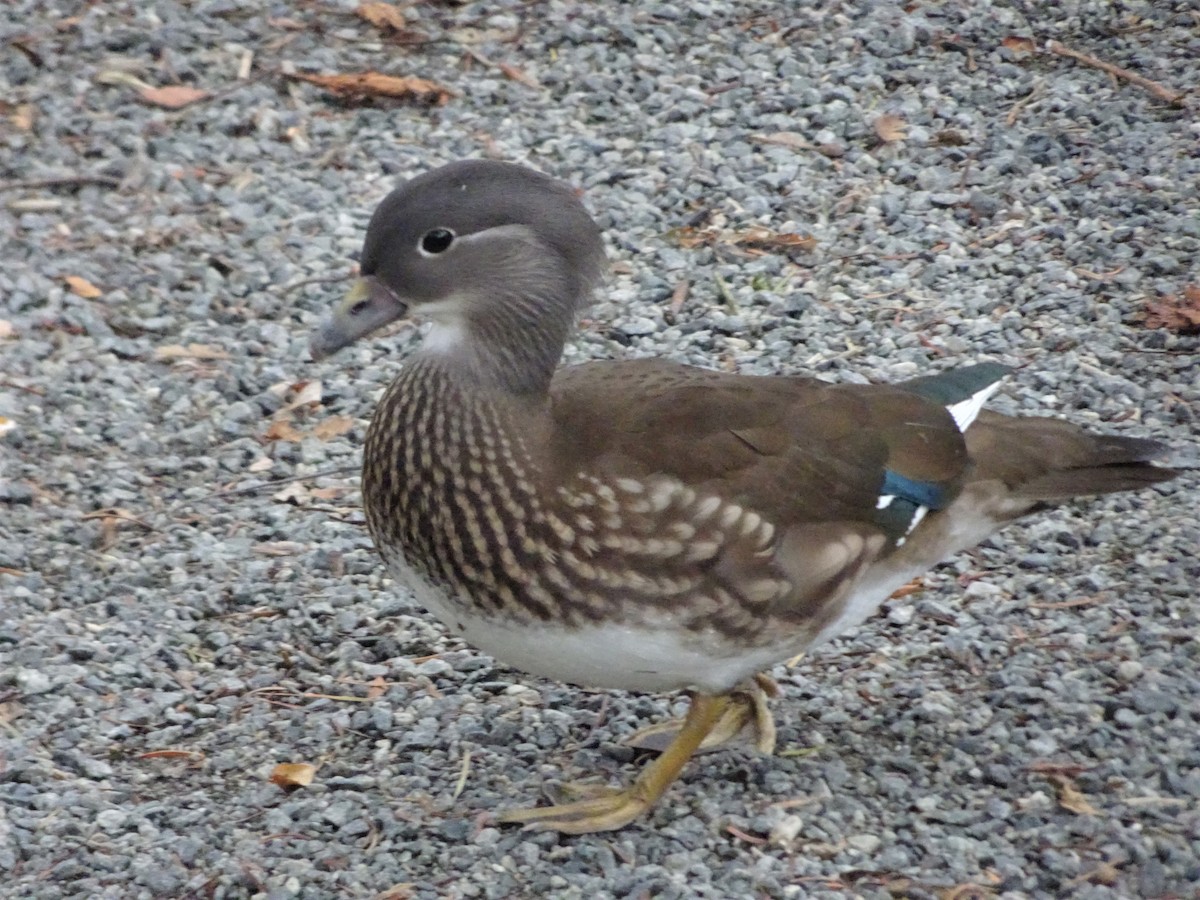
614,808
748,713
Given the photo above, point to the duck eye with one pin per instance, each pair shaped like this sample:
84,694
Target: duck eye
438,240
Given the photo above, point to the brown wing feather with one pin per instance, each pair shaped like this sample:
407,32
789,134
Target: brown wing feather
794,449
1049,460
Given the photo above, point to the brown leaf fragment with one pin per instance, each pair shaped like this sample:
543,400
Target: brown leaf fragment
1018,46
891,128
1176,312
688,237
756,237
283,431
294,493
752,839
173,96
81,287
290,776
1105,873
6,329
194,755
329,493
948,137
1070,797
23,117
790,139
383,16
332,427
361,85
968,890
10,711
913,587
772,240
376,688
191,351
304,393
679,296
283,23
512,73
1049,767
279,548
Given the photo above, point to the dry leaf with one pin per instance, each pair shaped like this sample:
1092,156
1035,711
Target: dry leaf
329,493
1177,312
262,464
283,431
755,237
172,754
1046,767
10,712
474,37
790,139
891,128
292,493
6,329
512,73
334,426
913,587
1019,47
293,775
968,890
285,24
1070,797
279,548
173,96
6,425
948,137
307,393
23,116
191,351
1105,873
376,688
81,287
374,84
688,237
772,240
383,16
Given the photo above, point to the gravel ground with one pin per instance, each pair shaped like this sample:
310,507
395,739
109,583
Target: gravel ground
190,597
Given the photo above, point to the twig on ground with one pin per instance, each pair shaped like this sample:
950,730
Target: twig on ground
60,181
1162,92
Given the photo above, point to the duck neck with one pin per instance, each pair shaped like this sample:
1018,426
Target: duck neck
511,346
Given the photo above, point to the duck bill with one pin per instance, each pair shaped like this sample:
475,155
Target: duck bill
367,306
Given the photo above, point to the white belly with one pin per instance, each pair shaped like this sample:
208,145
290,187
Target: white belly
639,657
